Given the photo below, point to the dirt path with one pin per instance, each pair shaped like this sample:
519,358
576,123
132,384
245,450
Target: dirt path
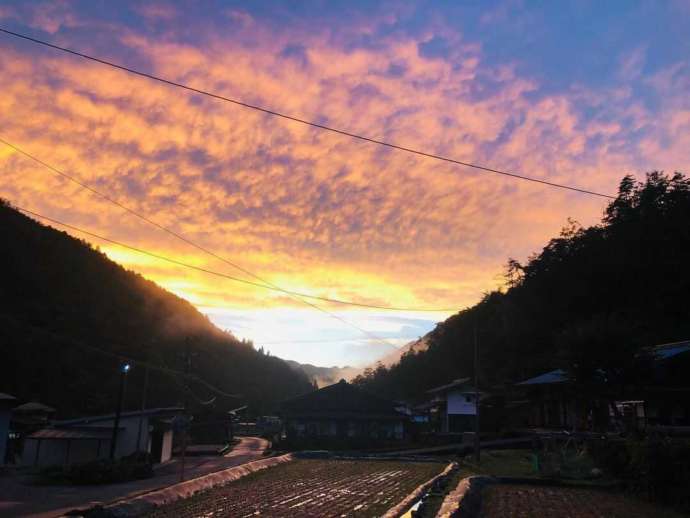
18,497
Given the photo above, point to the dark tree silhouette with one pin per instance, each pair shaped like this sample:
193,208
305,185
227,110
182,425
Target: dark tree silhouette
59,297
586,303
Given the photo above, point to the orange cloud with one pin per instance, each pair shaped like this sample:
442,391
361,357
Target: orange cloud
306,209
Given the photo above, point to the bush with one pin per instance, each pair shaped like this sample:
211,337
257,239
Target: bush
657,468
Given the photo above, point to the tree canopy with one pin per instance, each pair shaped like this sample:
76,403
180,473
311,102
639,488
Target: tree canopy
67,313
588,301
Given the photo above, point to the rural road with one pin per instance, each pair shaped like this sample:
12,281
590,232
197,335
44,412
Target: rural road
19,498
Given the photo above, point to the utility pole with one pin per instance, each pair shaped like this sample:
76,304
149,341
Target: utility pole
143,407
477,449
187,370
124,369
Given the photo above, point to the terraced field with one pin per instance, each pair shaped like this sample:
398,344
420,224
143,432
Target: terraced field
310,488
518,501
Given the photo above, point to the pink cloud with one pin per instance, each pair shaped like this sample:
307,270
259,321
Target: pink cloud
290,201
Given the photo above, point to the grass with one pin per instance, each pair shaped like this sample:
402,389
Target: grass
503,463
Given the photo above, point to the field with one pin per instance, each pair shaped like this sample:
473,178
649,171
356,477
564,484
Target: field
310,488
514,500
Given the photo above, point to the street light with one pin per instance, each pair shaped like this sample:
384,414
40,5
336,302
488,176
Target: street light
124,369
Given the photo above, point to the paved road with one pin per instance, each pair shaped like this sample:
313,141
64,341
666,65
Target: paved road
18,497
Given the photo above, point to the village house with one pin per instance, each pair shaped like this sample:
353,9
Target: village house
31,416
25,420
453,406
6,404
341,414
550,401
660,397
665,399
86,439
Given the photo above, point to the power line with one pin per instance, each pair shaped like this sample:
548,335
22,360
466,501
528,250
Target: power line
305,121
148,220
152,366
191,266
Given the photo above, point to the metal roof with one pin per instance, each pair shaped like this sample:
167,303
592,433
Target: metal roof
455,383
6,397
82,433
665,351
152,412
555,376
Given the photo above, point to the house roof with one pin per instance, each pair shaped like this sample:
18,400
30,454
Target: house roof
448,386
152,412
340,399
6,401
665,351
76,432
34,406
548,378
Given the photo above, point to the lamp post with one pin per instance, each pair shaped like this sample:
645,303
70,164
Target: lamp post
124,369
477,442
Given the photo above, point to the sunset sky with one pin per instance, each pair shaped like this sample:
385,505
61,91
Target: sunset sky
579,93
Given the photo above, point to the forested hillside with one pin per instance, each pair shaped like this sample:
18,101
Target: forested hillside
586,303
67,312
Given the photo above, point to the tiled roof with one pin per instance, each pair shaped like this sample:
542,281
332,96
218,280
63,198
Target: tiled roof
340,399
34,406
548,378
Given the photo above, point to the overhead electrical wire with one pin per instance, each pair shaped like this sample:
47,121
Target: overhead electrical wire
190,266
306,122
142,363
265,284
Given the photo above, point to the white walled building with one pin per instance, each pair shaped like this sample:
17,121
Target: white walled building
86,439
454,406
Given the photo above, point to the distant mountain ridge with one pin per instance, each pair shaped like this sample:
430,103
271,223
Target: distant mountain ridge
421,344
67,313
324,376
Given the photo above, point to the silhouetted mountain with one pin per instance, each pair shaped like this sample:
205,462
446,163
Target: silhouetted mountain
61,302
324,375
586,303
414,346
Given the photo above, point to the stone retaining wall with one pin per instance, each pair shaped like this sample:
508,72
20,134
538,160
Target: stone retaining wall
465,500
400,508
143,504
